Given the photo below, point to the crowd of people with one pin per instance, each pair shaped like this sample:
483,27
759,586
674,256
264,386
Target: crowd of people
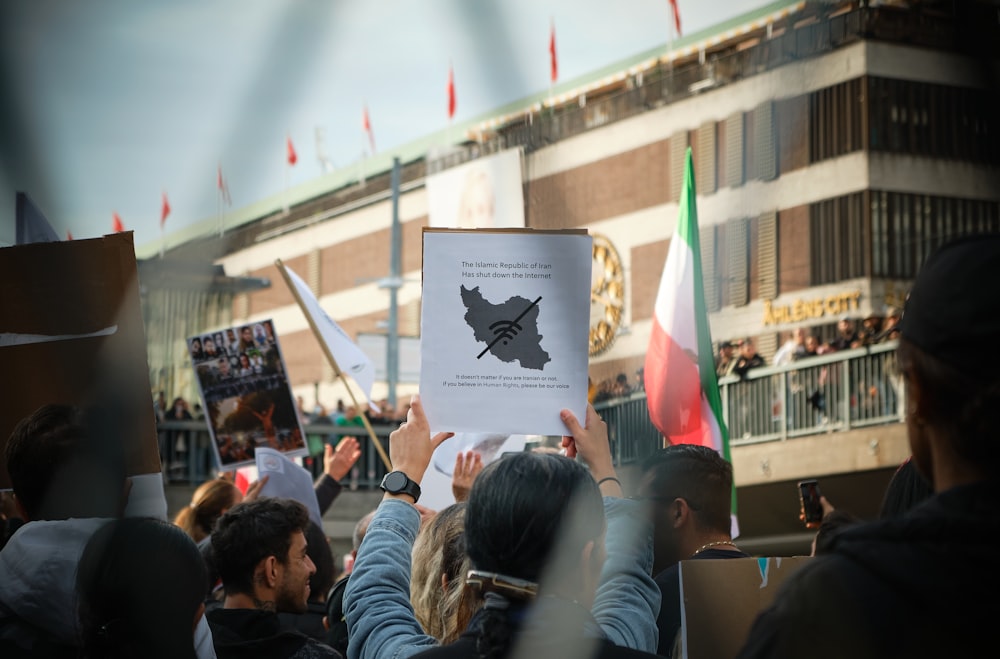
740,356
542,556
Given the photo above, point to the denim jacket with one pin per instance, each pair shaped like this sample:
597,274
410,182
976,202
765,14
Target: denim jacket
381,621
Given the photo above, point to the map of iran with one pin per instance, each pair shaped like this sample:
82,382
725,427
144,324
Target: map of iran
509,329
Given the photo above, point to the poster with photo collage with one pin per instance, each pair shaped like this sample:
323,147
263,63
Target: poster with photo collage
245,393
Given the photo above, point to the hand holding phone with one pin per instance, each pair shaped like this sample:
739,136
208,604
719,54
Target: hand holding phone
809,500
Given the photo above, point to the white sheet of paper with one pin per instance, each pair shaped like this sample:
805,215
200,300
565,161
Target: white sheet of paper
288,480
504,330
435,489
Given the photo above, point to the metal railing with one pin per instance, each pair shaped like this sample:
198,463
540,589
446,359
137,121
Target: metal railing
835,392
666,84
186,451
830,393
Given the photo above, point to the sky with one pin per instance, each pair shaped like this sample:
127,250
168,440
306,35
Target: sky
108,104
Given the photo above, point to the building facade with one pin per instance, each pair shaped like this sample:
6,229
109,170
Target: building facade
835,146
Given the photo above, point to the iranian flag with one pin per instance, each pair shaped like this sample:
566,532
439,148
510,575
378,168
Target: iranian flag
682,392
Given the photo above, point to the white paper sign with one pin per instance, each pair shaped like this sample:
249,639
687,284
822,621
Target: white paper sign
504,330
287,480
435,489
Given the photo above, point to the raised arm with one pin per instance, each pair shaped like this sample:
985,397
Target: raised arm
627,600
380,620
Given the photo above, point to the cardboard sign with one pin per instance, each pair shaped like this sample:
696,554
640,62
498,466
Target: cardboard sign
720,599
71,330
245,393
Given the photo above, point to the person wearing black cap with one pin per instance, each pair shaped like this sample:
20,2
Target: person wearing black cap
725,361
923,584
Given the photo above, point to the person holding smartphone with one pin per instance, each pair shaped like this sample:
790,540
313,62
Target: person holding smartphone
922,584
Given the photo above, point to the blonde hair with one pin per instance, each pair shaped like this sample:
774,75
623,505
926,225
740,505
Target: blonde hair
210,500
443,610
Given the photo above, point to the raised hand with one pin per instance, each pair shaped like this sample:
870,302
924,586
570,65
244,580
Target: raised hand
337,462
467,467
590,442
411,445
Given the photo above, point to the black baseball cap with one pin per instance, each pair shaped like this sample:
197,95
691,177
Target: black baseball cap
954,306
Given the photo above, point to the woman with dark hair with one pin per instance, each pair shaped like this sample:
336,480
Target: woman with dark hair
535,536
141,586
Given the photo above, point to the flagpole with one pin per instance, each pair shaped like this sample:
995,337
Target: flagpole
162,240
333,362
218,196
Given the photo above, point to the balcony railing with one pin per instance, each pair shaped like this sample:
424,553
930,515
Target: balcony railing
831,393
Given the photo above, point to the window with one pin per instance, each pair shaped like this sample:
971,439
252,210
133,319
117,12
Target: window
838,239
835,119
906,228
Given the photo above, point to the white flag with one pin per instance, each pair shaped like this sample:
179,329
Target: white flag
350,359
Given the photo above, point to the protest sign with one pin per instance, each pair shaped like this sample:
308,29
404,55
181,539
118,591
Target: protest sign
71,332
287,480
504,329
245,393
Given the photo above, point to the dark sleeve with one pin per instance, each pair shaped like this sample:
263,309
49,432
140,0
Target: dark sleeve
327,490
669,620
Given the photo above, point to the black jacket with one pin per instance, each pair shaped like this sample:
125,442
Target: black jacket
253,634
923,585
555,628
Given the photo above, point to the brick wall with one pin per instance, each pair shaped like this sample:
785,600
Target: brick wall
613,186
647,268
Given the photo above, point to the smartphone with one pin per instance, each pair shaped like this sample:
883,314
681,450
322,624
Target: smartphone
811,507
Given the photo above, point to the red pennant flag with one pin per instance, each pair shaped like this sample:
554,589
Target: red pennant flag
554,75
451,93
69,235
366,124
223,188
677,16
116,223
164,211
292,156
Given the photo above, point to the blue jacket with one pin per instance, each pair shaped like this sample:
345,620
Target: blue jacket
377,600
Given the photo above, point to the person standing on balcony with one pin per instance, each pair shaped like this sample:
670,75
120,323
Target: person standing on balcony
726,360
792,349
847,336
748,358
922,584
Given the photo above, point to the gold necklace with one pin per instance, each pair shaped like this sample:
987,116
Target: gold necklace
717,543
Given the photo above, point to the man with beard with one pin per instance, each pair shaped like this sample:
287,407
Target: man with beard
260,552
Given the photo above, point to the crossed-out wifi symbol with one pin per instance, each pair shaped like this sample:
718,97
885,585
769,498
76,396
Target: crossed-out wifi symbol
505,330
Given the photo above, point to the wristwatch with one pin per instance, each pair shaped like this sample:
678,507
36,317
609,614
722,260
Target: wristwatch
396,482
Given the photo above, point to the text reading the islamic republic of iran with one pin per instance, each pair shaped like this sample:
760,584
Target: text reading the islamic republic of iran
506,270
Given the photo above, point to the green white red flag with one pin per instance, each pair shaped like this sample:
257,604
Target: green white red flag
682,391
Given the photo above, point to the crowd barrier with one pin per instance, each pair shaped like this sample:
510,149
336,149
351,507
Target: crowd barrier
829,393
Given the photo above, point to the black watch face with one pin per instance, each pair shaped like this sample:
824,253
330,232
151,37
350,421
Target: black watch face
395,482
